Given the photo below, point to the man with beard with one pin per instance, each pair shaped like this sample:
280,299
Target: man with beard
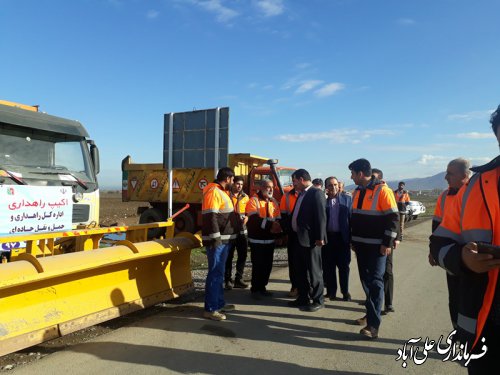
309,224
374,225
218,233
240,200
263,211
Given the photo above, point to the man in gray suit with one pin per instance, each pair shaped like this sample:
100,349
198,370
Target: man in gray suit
309,223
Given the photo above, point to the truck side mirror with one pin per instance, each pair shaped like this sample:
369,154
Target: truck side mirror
94,155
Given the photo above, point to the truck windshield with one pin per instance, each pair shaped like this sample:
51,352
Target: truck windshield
44,158
285,177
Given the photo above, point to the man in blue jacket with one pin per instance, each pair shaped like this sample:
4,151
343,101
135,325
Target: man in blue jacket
337,253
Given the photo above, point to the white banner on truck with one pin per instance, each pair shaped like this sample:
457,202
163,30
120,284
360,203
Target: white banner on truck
34,209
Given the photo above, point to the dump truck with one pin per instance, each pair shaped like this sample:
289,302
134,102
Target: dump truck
149,183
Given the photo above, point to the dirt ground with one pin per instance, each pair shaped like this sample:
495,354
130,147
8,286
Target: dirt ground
113,211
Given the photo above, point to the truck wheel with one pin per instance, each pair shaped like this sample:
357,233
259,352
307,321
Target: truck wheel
184,222
153,215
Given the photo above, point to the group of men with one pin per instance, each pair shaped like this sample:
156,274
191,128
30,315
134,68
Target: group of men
319,232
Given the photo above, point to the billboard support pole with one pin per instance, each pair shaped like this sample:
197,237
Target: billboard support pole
217,127
170,161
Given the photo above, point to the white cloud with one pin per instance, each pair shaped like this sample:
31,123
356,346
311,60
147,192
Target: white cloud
352,136
270,8
427,159
475,135
469,116
307,85
303,65
329,89
252,85
223,13
152,14
406,22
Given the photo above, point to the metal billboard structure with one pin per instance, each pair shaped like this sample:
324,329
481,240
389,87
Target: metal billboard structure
195,139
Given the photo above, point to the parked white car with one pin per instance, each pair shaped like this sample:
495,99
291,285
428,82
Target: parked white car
414,209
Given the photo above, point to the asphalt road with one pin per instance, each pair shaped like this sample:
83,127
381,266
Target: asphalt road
270,338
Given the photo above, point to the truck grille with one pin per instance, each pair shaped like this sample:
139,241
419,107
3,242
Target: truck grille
81,213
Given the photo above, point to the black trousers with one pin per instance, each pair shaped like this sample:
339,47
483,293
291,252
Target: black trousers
241,247
262,263
291,248
388,280
309,274
336,254
453,297
489,362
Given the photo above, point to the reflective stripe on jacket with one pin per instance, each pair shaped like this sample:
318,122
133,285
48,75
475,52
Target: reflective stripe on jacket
219,221
375,217
474,217
261,214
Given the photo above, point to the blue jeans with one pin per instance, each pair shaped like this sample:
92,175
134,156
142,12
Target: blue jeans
371,266
214,290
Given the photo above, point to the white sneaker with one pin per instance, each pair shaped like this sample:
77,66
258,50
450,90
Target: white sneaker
214,315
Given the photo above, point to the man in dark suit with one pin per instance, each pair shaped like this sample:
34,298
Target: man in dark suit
309,223
337,253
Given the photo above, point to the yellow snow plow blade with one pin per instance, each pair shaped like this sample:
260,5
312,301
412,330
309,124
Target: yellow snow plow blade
48,297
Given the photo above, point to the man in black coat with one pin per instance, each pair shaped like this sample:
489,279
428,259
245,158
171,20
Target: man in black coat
309,223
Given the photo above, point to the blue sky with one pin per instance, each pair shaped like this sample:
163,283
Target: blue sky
407,84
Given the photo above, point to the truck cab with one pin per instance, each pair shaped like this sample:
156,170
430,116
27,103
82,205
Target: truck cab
39,150
281,177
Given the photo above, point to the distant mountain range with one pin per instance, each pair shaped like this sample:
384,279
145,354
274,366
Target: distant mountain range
425,183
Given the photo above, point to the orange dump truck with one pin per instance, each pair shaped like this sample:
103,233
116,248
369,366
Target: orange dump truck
149,183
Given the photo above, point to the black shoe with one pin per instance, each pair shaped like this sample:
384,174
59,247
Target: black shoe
240,284
388,309
331,297
256,296
228,285
297,303
315,306
266,293
346,297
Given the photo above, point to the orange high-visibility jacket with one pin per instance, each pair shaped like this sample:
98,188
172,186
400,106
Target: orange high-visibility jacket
474,217
402,197
240,203
261,214
375,218
287,205
443,204
219,221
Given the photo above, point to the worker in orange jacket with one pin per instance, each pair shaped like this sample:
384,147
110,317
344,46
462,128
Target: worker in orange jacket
219,223
240,200
374,229
263,213
287,204
457,175
402,200
457,246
